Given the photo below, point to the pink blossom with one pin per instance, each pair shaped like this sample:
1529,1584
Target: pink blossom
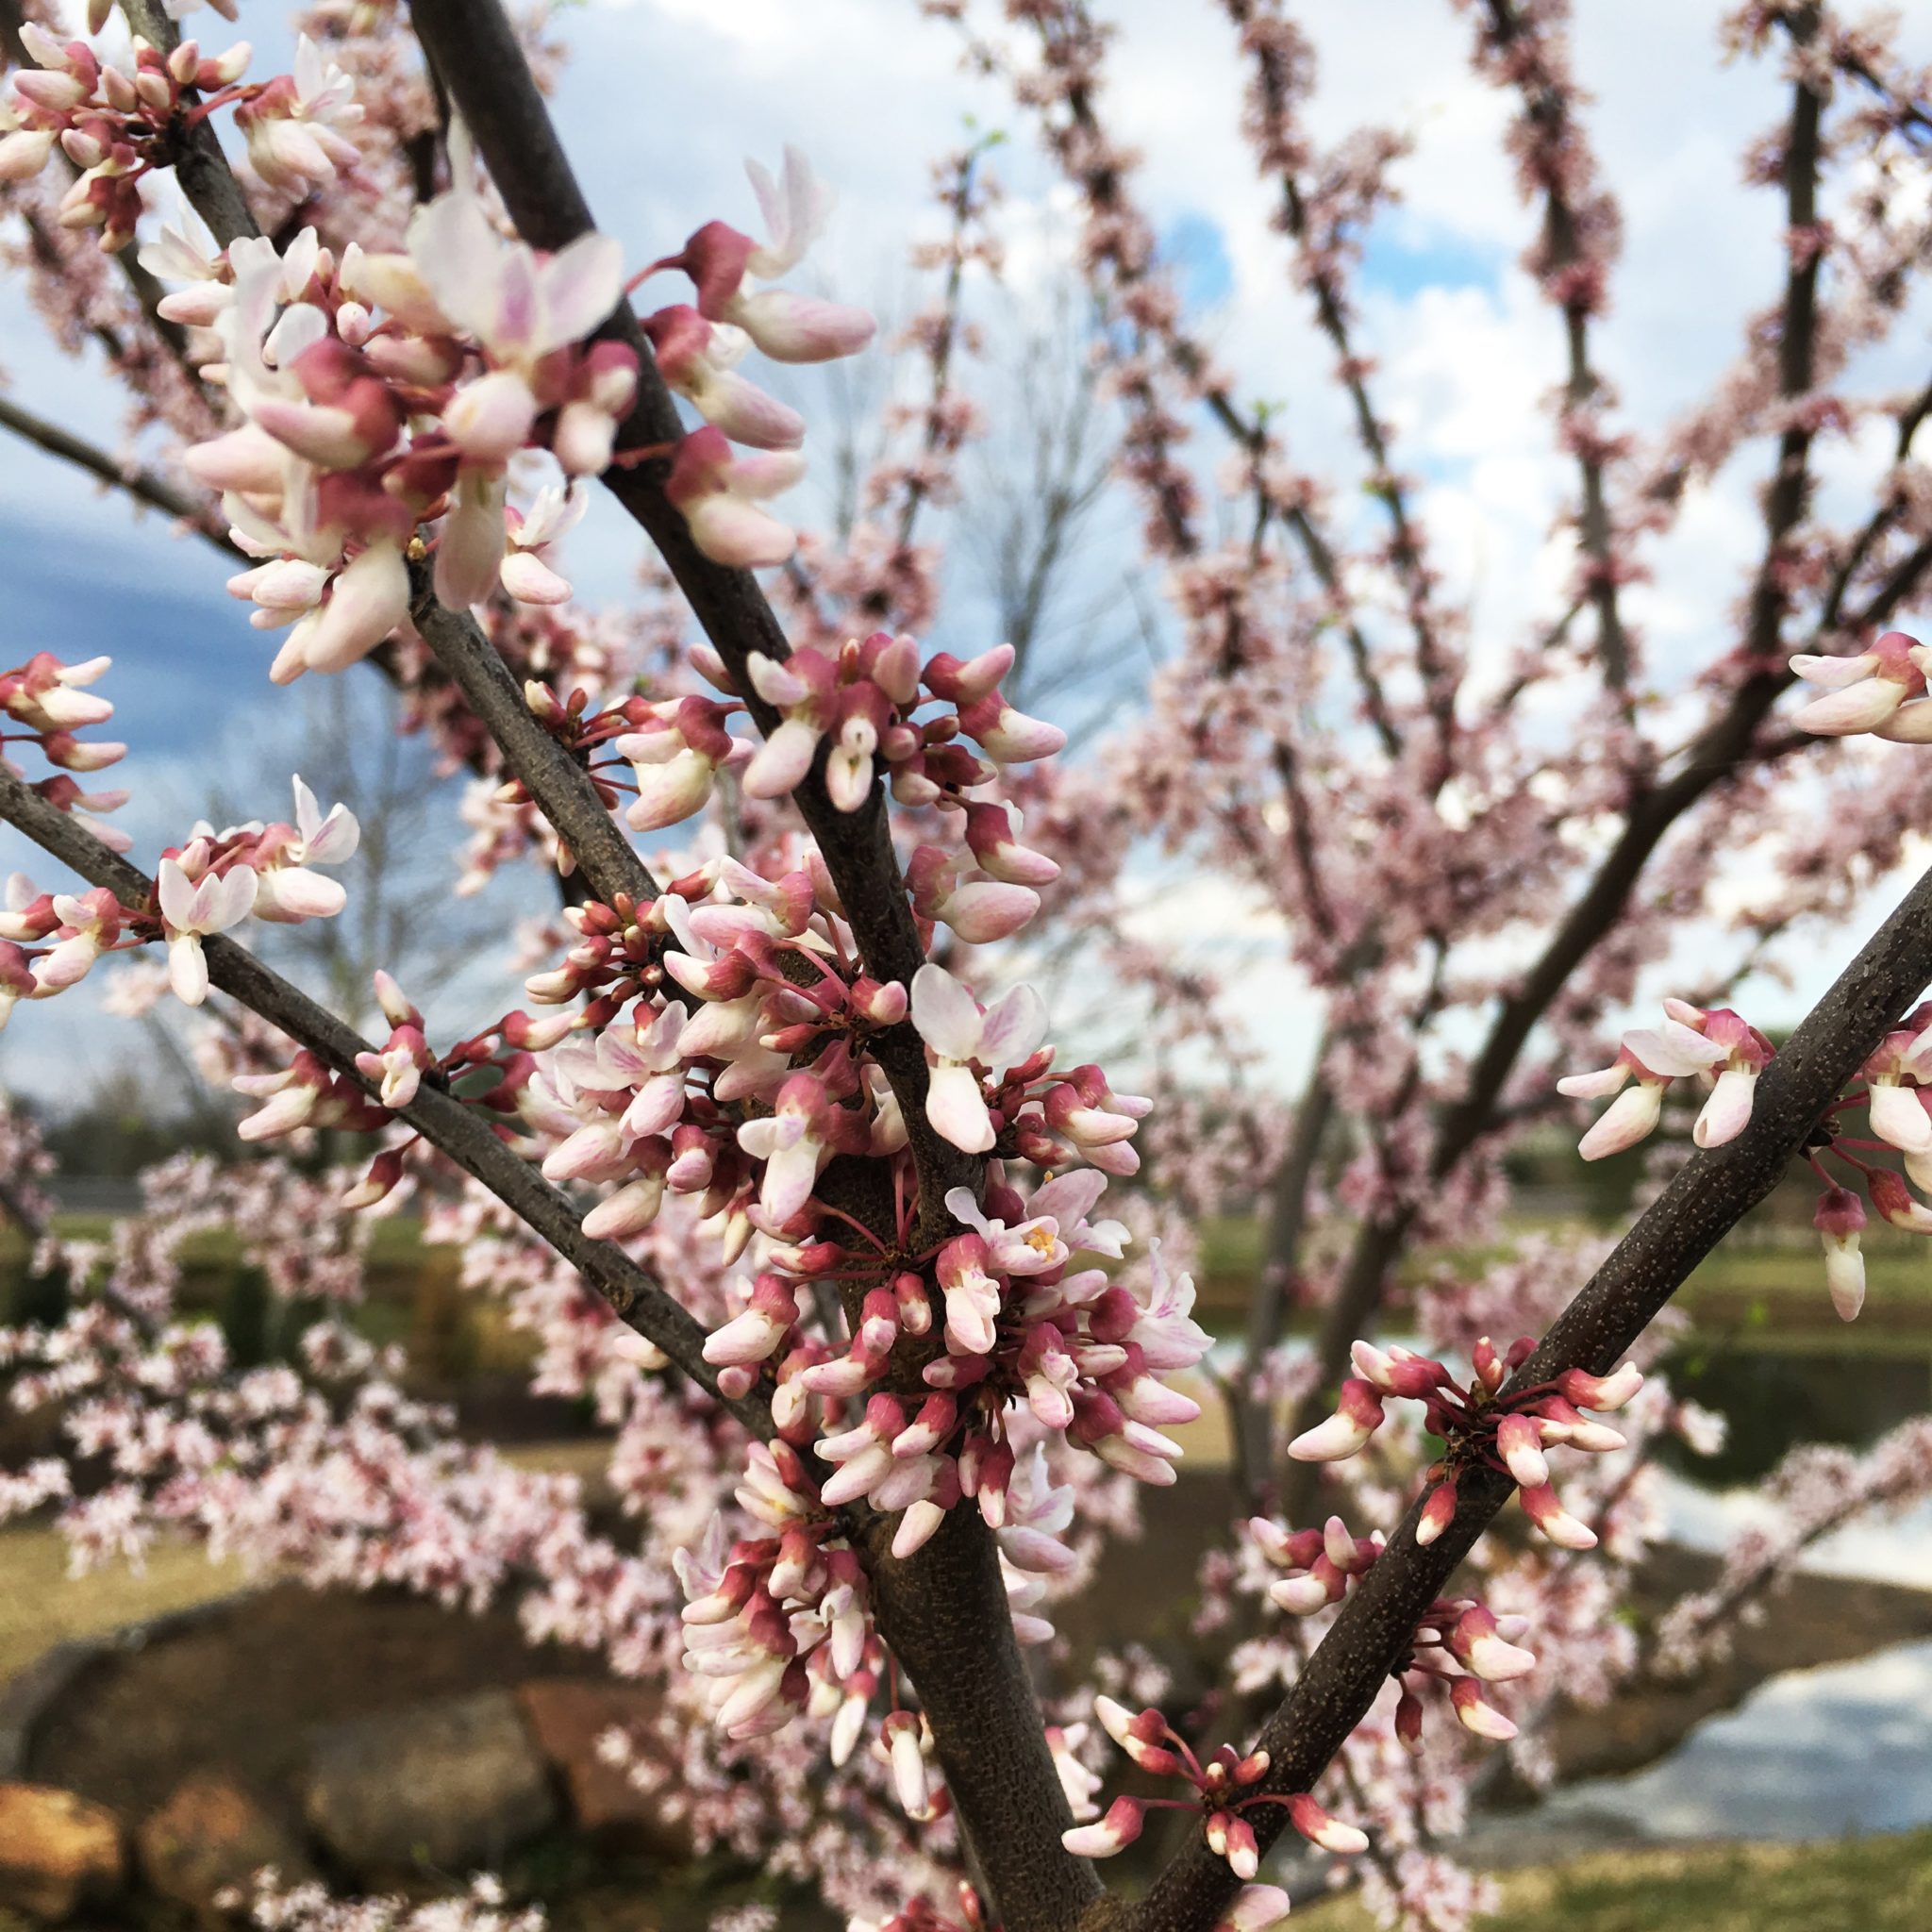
697,359
962,1033
1347,1431
1862,693
294,125
787,326
719,494
1125,1820
193,905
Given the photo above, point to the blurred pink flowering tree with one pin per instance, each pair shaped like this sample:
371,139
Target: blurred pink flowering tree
882,1302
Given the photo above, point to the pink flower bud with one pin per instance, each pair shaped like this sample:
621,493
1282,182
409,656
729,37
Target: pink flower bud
1113,1833
1481,1719
1009,737
489,419
1475,1639
917,1527
23,153
1319,1829
718,495
1409,1722
367,601
1607,1392
1314,1590
1358,1418
1140,1735
1893,1199
385,1171
1256,1910
1897,1117
983,910
1519,1443
966,682
801,328
1627,1119
1400,1371
1540,1505
1239,1849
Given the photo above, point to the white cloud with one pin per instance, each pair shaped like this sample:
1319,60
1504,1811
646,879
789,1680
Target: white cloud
872,92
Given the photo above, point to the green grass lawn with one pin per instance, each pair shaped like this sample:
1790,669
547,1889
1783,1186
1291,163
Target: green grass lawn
1848,1885
1748,1292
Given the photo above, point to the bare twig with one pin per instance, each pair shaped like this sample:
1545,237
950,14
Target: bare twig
1548,111
143,486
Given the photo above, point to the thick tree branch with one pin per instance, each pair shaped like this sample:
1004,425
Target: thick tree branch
475,53
944,1613
1705,1199
446,1123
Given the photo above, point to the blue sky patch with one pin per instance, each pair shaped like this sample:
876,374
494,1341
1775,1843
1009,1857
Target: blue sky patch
1394,264
1195,249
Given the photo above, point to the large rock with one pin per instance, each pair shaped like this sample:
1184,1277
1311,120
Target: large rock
211,1834
453,1784
58,1852
568,1715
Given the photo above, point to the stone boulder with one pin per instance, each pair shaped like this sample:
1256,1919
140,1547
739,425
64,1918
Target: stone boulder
57,1851
455,1784
567,1716
212,1834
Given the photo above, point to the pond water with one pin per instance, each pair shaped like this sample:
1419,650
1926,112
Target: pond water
1812,1754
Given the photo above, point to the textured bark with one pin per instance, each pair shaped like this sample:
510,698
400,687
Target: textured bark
1705,1199
944,1613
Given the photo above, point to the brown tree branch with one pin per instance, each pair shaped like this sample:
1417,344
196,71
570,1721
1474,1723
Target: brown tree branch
444,1122
477,54
1704,1201
944,1613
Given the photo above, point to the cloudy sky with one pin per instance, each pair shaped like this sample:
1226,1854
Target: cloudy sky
661,101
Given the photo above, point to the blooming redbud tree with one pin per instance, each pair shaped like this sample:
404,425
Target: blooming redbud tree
782,1161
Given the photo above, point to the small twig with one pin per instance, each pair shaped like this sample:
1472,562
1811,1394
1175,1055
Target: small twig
446,1123
144,486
